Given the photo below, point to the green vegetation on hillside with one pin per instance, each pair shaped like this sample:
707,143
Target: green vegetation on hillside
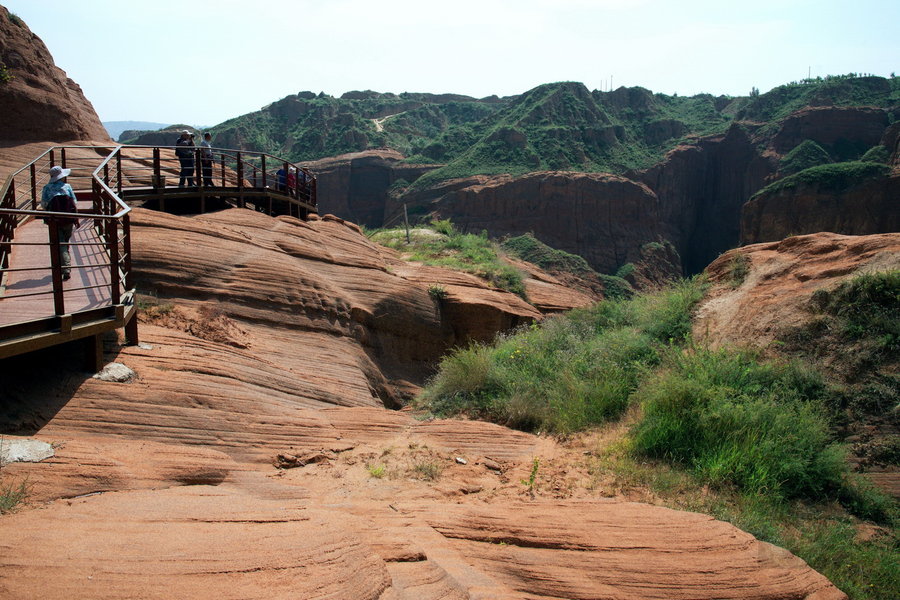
879,154
563,126
834,90
442,245
572,372
529,248
836,177
806,155
555,126
726,432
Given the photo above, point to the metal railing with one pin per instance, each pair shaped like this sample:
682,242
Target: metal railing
157,170
108,216
106,175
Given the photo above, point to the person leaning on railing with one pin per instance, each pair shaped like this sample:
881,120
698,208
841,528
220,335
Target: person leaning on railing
51,197
206,159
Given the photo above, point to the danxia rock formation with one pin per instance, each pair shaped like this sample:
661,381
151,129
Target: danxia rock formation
250,451
251,454
40,103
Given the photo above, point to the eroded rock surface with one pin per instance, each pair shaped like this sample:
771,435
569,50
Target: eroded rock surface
259,348
40,102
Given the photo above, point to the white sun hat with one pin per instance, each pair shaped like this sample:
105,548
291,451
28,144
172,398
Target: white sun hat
57,173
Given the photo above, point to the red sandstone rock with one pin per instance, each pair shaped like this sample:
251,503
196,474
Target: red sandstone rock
355,186
603,218
40,103
783,276
867,208
830,124
164,487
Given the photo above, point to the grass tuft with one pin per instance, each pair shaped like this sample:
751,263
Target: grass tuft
442,245
568,373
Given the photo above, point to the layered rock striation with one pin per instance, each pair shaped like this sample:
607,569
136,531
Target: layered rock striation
39,102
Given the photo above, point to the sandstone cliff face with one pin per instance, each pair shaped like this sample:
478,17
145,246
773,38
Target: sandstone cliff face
603,218
355,186
40,103
867,208
701,189
829,125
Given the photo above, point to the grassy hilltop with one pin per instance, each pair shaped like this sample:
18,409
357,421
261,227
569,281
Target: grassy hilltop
553,126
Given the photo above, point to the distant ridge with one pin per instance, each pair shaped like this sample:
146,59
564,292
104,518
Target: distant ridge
115,128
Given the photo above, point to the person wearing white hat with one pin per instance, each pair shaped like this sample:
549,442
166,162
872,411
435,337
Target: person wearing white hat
58,196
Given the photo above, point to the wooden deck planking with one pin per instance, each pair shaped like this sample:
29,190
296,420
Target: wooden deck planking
89,268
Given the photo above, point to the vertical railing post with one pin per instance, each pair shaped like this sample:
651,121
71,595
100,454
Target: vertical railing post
7,224
52,159
264,171
240,176
156,170
106,173
198,167
118,152
126,248
114,280
131,328
56,268
33,186
224,183
62,152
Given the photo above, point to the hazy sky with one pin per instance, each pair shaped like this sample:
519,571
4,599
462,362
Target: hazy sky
204,61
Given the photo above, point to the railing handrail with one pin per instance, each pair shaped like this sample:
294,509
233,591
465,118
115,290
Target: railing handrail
117,147
124,208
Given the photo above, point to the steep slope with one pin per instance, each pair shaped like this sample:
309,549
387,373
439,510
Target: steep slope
855,198
775,296
39,102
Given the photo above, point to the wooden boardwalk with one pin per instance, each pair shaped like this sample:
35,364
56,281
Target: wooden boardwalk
38,309
28,295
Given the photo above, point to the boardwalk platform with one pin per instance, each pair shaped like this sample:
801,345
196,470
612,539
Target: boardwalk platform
38,308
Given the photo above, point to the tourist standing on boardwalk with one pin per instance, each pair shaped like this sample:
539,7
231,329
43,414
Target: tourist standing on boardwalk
185,154
58,196
206,159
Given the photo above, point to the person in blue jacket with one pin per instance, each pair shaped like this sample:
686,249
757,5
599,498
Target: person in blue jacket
58,196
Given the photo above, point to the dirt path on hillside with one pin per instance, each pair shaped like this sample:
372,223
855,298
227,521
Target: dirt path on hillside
379,123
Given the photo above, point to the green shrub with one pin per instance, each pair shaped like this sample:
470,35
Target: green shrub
867,306
616,288
568,373
735,420
625,270
835,177
807,154
527,247
5,74
11,495
738,269
444,226
437,292
877,154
